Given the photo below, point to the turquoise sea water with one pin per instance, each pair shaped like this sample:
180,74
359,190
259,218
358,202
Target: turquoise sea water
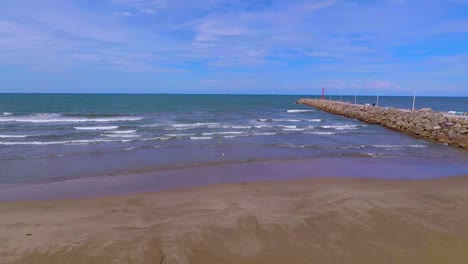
51,137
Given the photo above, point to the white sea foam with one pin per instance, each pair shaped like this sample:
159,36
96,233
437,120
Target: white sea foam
33,143
230,136
97,128
123,132
352,147
388,146
238,127
398,146
200,138
320,133
77,142
293,129
6,114
264,134
192,126
153,125
286,120
120,135
156,138
222,133
287,126
179,135
299,110
56,118
130,148
342,127
314,120
13,136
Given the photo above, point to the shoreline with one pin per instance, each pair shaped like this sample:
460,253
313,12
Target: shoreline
327,220
260,171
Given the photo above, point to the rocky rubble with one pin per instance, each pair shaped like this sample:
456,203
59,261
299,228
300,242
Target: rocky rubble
423,123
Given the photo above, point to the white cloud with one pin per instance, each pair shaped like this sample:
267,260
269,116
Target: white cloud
125,14
149,7
211,81
324,54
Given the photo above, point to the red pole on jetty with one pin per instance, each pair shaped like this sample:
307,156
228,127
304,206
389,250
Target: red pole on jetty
323,93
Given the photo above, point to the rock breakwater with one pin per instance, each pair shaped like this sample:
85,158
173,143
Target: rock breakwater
424,123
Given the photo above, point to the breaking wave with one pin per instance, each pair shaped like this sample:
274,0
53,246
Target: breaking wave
58,118
299,110
97,128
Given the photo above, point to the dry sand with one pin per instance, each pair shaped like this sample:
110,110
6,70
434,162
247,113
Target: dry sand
308,221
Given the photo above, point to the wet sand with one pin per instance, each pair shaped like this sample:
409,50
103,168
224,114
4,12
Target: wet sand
327,220
175,178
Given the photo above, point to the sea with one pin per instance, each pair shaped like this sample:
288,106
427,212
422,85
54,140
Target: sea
50,138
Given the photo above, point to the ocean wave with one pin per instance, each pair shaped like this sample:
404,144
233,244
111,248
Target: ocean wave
264,134
398,146
200,138
287,126
122,132
372,155
77,142
13,136
120,136
237,127
6,114
353,147
92,115
293,129
153,125
222,133
320,133
156,138
130,148
286,120
342,127
192,126
179,135
97,128
299,110
231,136
57,118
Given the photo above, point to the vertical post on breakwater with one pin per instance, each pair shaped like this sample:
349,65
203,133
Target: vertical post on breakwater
323,93
355,97
414,99
377,103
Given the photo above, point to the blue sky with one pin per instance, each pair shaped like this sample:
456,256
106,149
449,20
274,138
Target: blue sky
231,46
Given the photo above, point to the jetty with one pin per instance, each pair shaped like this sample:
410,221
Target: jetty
424,123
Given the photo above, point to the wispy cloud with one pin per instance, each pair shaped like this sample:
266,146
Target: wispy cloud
149,7
324,54
291,45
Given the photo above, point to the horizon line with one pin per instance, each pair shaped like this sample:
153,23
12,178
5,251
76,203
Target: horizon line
238,94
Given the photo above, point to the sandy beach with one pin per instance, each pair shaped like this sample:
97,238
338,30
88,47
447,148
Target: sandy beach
332,220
